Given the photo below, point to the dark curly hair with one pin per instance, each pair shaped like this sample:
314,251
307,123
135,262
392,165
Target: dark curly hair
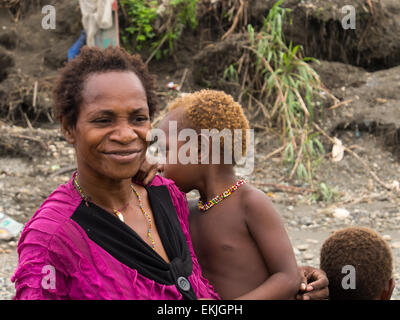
367,252
67,93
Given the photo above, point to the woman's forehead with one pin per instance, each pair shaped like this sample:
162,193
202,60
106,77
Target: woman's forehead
113,85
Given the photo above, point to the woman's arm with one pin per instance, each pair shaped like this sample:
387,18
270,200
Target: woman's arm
315,284
267,229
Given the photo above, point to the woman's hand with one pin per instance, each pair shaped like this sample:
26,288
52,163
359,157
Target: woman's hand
147,171
314,284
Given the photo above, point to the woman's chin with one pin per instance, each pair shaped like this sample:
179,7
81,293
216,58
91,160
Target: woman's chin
125,170
121,173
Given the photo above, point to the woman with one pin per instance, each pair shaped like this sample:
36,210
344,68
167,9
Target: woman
103,235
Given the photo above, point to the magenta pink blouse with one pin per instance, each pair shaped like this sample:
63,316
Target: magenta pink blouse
58,260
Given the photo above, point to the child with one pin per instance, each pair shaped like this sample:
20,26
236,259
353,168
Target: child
239,238
362,254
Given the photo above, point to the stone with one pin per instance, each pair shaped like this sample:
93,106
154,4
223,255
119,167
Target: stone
387,237
308,256
396,245
303,247
12,243
306,221
340,213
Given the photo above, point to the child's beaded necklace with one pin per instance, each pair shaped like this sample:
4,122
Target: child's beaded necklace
117,212
209,204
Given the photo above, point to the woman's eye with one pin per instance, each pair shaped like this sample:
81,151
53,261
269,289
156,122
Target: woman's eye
141,119
102,120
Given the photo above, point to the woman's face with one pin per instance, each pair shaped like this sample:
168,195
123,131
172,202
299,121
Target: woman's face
110,133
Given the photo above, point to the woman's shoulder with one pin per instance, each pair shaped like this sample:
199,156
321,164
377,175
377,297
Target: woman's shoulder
170,184
161,181
63,201
177,196
54,212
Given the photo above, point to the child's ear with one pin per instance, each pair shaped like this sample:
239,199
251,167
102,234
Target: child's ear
388,290
68,132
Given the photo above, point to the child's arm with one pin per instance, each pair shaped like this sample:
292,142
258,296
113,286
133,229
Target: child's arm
268,231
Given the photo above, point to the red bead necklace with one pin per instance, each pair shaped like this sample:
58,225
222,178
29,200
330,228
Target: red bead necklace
209,204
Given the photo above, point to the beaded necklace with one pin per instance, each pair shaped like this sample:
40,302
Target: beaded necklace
147,217
205,206
117,212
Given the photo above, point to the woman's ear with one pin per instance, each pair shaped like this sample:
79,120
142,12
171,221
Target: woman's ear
68,132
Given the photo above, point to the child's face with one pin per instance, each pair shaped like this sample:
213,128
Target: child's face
184,175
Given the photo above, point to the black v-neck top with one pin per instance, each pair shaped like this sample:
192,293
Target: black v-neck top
125,245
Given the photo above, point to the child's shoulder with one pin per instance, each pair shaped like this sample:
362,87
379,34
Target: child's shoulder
251,193
253,199
259,211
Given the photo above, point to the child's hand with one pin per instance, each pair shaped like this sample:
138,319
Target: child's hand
147,172
314,284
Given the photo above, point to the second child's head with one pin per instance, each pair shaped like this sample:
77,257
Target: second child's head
211,116
358,264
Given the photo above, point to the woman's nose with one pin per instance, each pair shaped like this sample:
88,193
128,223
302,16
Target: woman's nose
123,134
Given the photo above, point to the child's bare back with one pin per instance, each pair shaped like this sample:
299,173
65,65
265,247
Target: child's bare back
241,243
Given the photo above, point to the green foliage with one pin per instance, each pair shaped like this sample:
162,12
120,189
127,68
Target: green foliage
140,33
325,193
231,74
282,80
142,13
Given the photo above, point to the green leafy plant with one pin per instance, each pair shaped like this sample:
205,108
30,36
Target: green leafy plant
325,193
279,79
231,74
161,41
142,14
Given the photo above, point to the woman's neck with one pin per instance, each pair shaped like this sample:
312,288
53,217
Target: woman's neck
105,192
217,180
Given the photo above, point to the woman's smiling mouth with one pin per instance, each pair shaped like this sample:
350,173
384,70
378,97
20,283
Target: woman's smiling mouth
123,156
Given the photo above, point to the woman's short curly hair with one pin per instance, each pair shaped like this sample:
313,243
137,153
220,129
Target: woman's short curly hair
212,109
367,252
67,93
